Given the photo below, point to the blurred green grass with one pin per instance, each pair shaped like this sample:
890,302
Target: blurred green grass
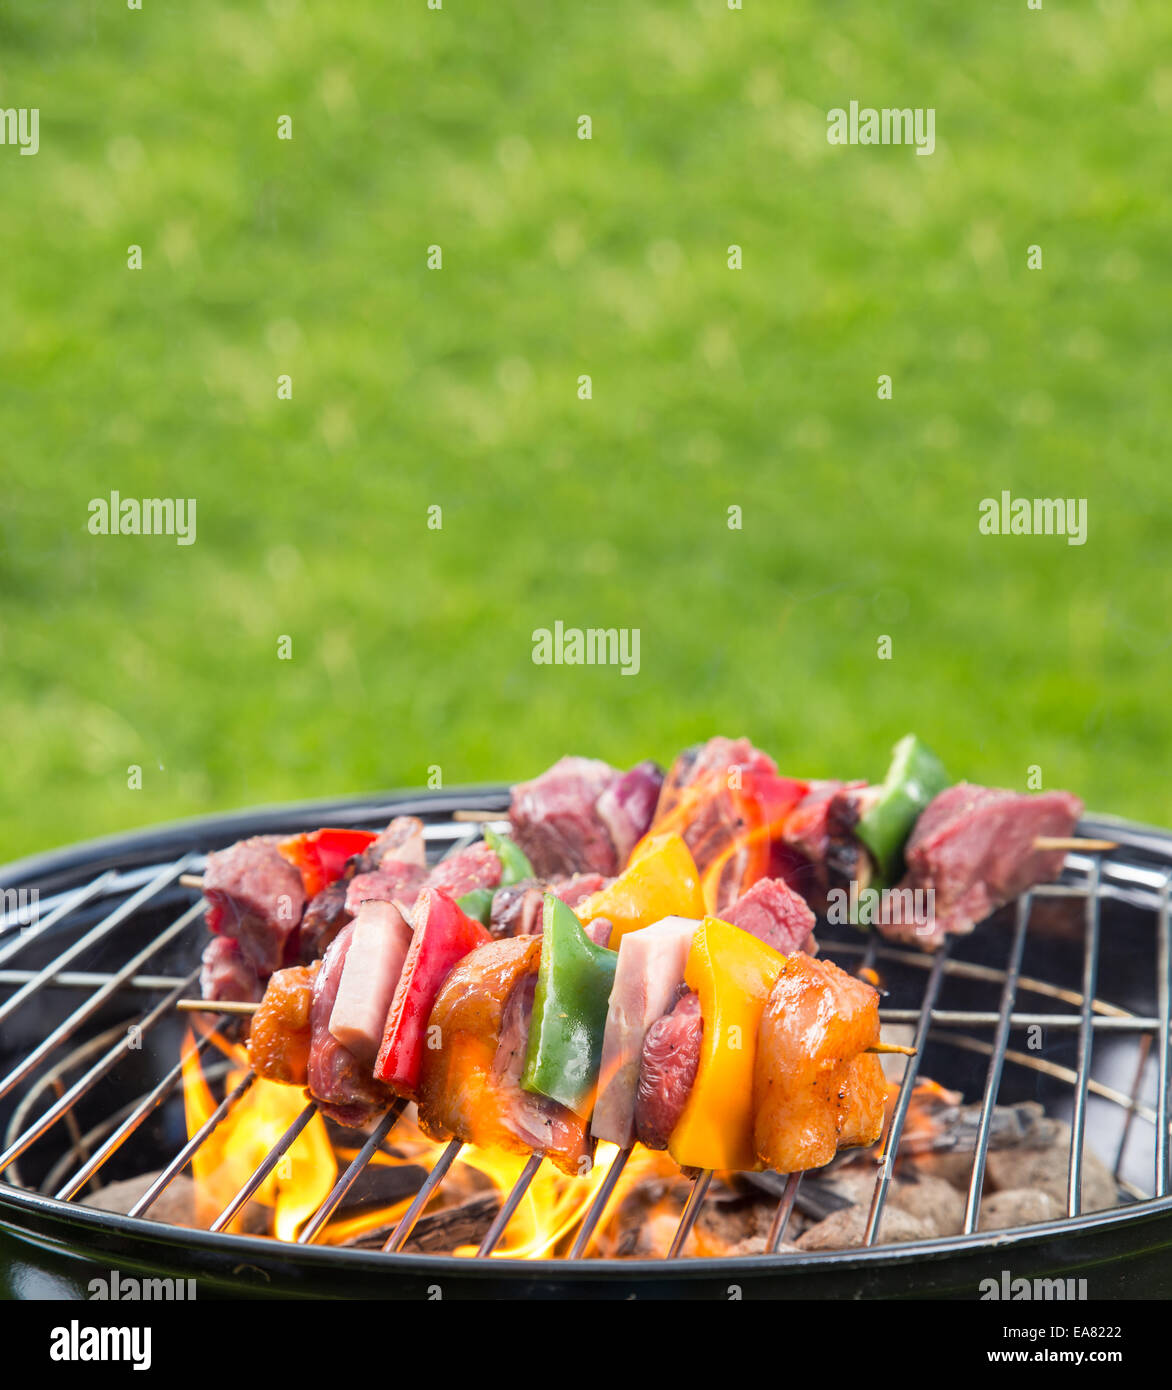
711,387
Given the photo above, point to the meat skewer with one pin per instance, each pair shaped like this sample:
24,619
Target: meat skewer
403,946
1073,843
247,1008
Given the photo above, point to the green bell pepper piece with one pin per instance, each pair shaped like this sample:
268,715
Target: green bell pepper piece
915,777
574,982
514,865
477,904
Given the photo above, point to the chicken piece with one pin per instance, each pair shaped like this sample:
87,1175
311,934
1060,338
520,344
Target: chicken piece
278,1040
469,1086
864,1104
810,1093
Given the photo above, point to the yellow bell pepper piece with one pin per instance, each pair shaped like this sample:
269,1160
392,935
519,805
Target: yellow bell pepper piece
662,881
734,974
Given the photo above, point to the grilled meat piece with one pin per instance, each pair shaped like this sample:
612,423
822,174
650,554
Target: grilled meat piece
728,801
821,831
343,1086
671,1058
470,1085
325,916
974,848
775,914
256,898
627,805
227,973
861,1119
279,1036
516,908
401,842
556,822
578,887
814,1087
647,982
467,869
394,881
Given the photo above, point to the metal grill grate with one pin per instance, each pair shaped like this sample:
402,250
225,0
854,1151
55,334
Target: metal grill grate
1139,873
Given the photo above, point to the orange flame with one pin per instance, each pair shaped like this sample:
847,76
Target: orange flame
543,1224
299,1183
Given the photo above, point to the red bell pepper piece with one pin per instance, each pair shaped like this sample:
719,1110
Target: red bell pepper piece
321,855
443,937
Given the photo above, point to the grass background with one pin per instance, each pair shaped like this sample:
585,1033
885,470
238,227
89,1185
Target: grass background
457,388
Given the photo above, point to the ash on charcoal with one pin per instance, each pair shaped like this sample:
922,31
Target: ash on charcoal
845,1229
1047,1170
645,1222
930,1199
1019,1207
175,1205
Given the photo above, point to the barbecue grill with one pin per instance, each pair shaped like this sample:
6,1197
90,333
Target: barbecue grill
1064,998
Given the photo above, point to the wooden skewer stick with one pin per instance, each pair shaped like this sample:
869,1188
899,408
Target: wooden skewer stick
478,817
217,1006
1072,842
1043,842
228,1006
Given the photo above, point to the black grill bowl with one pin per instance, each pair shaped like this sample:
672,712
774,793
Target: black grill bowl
1106,925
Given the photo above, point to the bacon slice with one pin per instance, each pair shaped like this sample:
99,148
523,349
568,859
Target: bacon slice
814,1089
378,948
647,982
342,1085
